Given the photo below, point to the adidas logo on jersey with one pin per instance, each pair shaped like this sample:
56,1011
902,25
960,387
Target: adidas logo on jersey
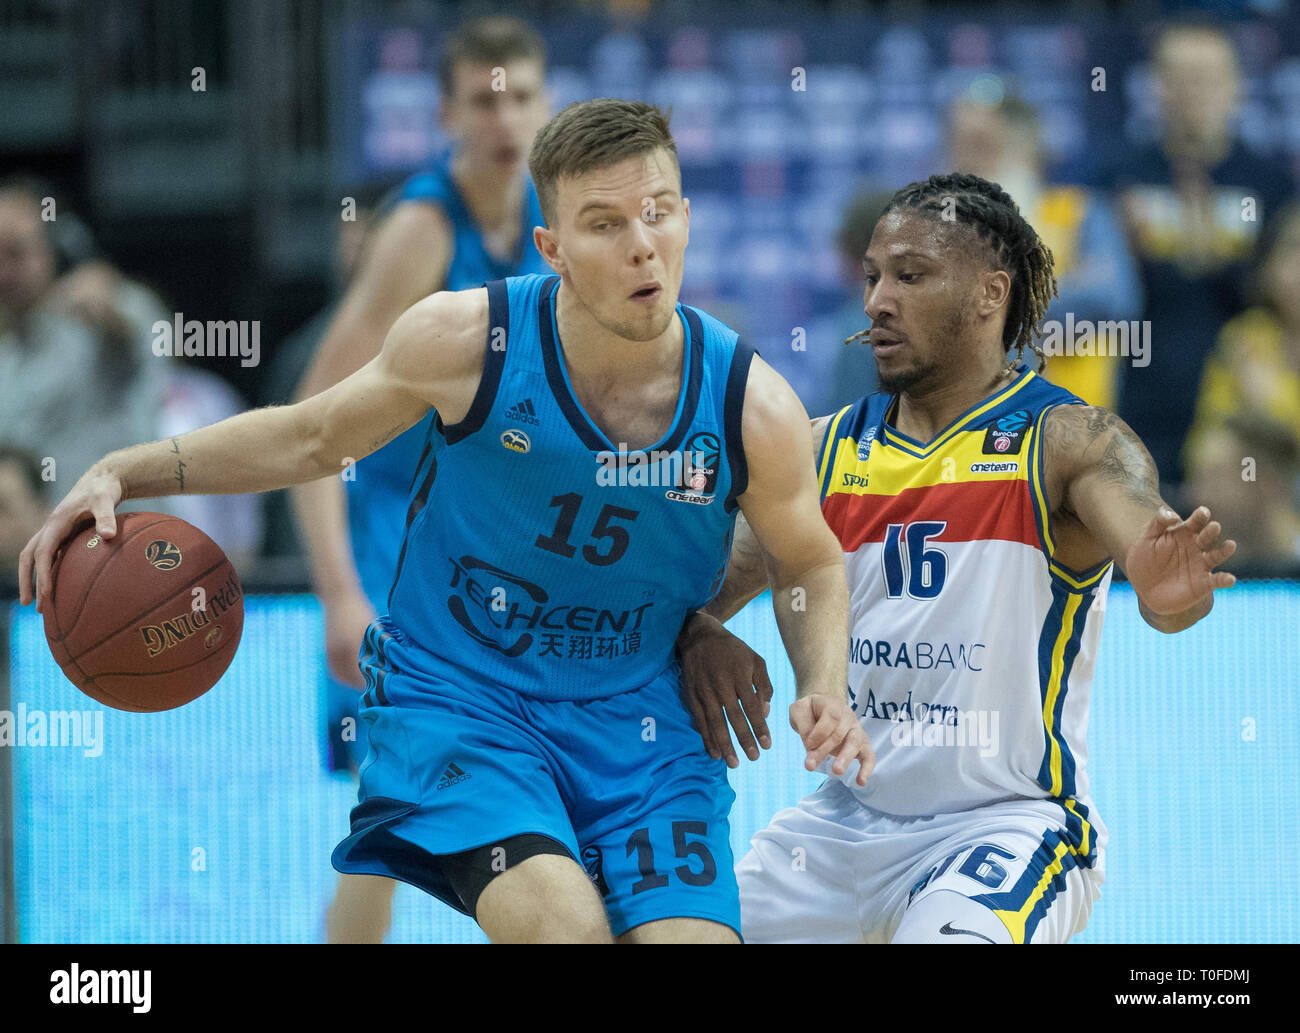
453,776
523,412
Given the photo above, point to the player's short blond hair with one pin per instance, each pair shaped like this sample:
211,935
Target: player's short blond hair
593,134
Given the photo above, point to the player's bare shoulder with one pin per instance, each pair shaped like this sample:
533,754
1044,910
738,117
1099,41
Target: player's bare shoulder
438,345
777,441
772,417
1089,441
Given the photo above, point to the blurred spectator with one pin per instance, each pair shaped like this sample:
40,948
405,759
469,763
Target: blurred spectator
70,390
1193,204
79,376
1095,273
190,398
297,350
1243,452
24,504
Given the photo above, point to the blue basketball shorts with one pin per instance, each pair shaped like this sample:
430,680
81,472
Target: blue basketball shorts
345,740
623,783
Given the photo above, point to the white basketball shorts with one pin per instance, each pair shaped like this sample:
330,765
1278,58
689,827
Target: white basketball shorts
831,870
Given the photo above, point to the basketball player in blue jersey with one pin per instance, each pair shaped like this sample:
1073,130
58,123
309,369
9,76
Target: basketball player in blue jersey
465,222
980,510
531,761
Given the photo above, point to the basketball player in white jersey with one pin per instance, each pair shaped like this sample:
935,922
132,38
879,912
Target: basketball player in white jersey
980,509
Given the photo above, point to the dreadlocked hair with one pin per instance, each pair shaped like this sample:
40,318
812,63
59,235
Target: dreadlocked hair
988,211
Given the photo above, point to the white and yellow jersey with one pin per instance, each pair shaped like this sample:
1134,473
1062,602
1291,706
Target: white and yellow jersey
971,648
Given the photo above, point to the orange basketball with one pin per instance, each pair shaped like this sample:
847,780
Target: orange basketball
146,620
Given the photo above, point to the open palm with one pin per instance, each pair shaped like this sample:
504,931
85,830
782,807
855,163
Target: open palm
1172,565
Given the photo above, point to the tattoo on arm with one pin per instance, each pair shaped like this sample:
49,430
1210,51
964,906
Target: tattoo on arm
1124,460
386,437
180,464
1087,438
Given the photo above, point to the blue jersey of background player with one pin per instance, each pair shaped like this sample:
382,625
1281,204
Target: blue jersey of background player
379,486
377,493
461,224
590,809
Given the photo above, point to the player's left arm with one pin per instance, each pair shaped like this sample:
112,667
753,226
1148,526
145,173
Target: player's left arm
1100,474
810,594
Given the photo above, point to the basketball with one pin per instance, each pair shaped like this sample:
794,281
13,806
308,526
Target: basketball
147,620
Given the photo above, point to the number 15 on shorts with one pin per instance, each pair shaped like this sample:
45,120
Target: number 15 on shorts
658,855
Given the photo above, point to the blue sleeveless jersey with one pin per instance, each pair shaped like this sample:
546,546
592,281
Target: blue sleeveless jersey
378,496
539,557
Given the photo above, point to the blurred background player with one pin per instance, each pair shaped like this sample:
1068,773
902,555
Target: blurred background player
1096,276
293,357
464,222
980,509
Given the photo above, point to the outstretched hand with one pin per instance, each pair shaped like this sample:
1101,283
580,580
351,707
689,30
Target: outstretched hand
1171,567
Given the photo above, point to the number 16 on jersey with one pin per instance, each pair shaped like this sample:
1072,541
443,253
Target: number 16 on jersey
911,564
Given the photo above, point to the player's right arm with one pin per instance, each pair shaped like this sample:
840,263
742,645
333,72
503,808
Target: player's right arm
406,259
725,681
432,357
746,568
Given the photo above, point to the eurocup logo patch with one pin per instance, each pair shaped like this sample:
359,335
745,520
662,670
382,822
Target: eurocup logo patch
1007,436
699,470
163,554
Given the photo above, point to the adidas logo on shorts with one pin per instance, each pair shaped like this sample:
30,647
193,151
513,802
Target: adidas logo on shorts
453,776
523,412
